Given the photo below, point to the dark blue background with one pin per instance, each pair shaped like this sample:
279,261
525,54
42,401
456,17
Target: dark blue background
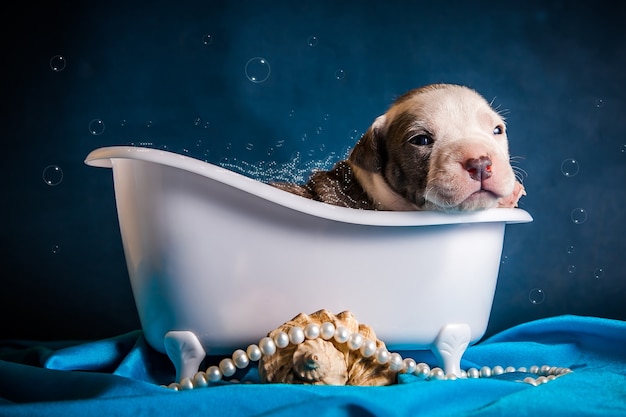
141,73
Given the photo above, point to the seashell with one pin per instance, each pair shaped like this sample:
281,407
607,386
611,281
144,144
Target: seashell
325,361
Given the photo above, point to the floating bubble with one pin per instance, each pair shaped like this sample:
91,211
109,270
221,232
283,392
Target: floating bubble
304,137
207,39
148,123
96,127
319,130
291,113
123,122
52,175
56,249
579,215
249,146
536,296
340,74
599,103
197,121
570,249
312,40
58,63
571,269
570,167
354,134
622,148
598,273
504,259
326,117
257,70
199,143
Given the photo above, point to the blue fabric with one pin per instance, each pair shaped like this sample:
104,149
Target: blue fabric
121,377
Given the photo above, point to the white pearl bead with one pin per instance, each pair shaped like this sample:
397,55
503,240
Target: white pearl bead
213,373
541,380
267,346
422,370
200,380
544,370
174,386
451,377
240,358
534,369
509,369
530,380
254,353
382,356
327,330
342,334
409,366
395,362
281,339
227,366
497,370
296,335
368,348
522,369
437,373
185,384
355,341
312,331
473,373
485,372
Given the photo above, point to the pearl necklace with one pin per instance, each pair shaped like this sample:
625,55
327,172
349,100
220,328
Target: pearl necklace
268,346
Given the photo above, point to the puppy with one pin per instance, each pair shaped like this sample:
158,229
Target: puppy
438,147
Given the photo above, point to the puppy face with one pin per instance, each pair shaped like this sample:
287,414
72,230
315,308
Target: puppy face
439,147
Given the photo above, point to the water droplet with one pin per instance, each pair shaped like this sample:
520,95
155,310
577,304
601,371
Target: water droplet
58,63
570,167
257,70
571,269
354,134
579,215
599,103
56,249
312,40
207,39
536,296
96,127
340,74
598,273
570,249
52,175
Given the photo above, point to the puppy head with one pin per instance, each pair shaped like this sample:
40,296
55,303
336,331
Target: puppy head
439,147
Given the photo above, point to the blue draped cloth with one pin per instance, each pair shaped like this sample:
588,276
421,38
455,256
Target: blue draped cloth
122,376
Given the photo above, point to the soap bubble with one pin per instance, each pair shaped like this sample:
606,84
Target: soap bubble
257,70
570,167
599,103
598,273
622,148
536,296
207,39
571,269
570,249
52,175
123,122
58,63
96,127
340,74
579,215
504,259
312,40
148,123
354,135
56,249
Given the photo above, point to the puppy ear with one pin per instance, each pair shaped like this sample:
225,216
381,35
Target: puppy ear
369,152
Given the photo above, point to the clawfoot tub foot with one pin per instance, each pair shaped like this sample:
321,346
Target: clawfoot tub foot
185,351
450,345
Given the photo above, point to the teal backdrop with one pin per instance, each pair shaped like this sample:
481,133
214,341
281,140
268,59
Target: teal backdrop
294,84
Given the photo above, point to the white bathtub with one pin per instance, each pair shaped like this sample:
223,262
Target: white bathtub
216,260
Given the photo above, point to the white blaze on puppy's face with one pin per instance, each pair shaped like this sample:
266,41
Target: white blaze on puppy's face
468,162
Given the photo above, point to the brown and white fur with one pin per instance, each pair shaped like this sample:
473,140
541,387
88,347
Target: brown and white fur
438,147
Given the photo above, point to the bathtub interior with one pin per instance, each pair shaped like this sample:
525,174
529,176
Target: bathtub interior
273,91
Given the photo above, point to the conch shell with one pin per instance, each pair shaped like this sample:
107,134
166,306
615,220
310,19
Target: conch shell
320,361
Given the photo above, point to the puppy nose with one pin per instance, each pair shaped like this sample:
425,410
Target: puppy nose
478,168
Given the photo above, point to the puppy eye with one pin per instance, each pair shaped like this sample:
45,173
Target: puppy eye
421,140
498,130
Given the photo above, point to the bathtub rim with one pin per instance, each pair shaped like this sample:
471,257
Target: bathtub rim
105,157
